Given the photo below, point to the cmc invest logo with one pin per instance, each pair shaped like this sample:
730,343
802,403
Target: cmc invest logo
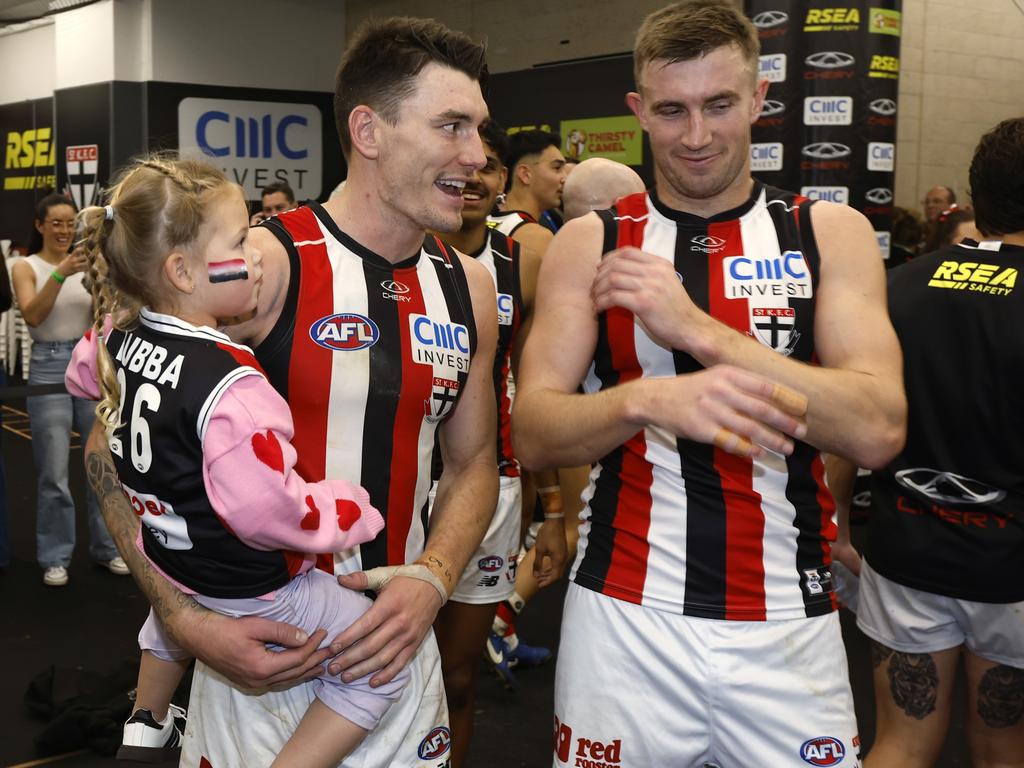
772,67
255,142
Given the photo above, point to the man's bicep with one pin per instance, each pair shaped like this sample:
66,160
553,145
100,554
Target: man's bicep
561,343
534,236
852,326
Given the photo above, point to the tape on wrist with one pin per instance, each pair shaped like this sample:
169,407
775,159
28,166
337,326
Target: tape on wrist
548,489
440,568
378,578
554,515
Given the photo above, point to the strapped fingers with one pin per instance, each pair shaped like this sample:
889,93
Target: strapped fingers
789,400
730,442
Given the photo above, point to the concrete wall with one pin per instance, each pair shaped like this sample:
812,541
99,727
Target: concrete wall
29,62
962,71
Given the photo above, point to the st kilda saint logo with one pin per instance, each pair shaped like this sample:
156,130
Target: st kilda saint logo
81,163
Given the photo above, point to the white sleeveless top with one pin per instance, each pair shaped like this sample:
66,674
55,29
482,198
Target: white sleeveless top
71,315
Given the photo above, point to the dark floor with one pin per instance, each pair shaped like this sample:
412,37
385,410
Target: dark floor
90,626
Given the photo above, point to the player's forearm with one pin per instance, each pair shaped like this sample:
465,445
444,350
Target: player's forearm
467,496
178,612
854,414
552,429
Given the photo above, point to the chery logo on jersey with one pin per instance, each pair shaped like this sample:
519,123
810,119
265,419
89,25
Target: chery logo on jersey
160,519
974,276
505,309
435,744
707,244
823,750
752,276
345,332
394,290
772,67
440,344
948,487
491,563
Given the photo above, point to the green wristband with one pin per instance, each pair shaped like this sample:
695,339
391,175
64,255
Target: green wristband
58,277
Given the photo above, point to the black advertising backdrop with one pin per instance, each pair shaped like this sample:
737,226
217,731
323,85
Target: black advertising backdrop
829,130
29,161
77,140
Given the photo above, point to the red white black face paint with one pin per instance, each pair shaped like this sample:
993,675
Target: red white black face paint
226,271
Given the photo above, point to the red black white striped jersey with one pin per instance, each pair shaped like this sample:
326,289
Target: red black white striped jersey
500,257
507,222
683,526
371,356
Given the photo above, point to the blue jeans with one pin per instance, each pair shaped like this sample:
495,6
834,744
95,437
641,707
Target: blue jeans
51,418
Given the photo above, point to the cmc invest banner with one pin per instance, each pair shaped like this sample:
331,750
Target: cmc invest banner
828,129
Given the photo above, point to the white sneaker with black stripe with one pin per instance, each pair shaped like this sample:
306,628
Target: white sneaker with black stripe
147,740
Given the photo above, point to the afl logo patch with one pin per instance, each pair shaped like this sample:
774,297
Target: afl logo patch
823,750
345,332
490,563
435,744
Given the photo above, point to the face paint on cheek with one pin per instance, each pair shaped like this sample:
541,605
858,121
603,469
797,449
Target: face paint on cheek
226,271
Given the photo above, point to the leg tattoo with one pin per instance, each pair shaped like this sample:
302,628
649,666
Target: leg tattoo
1001,696
879,653
914,683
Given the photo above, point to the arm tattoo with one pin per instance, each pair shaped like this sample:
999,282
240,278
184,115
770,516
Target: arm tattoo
123,526
914,683
1001,696
879,653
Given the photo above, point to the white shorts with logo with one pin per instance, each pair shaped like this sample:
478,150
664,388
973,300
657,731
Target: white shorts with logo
490,575
913,621
637,687
236,728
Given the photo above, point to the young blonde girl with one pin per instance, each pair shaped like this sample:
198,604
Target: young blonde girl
202,445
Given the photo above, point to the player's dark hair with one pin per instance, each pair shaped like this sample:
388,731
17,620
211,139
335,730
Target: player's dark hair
997,179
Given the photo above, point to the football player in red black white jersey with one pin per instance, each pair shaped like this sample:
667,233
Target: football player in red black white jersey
725,333
463,623
404,330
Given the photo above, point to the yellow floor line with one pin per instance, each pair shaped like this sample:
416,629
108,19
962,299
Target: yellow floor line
48,760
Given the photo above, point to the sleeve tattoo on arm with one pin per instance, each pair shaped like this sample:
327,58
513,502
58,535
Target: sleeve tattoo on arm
123,526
